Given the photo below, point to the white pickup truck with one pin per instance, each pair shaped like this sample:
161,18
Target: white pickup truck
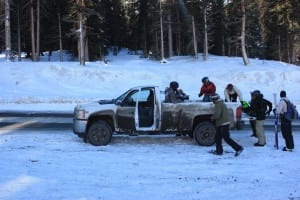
142,110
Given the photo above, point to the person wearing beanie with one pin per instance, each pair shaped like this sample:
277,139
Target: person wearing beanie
173,94
260,107
221,118
285,125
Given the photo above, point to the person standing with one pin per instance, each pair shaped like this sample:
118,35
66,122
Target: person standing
232,92
260,107
221,117
207,89
286,125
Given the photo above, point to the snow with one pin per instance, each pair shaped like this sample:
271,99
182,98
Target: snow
53,164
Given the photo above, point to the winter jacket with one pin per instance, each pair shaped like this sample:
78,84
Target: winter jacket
175,96
234,90
207,89
282,106
260,107
221,114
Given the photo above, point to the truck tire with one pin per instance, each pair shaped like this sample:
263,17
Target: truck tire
204,134
99,133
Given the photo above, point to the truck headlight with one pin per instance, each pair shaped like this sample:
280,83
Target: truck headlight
80,114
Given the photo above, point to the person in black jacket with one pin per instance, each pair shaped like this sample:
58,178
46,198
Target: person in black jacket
260,107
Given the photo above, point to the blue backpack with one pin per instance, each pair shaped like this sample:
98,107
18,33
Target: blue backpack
291,112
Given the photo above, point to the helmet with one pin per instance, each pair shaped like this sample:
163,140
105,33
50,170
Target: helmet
204,79
229,86
174,85
255,93
215,97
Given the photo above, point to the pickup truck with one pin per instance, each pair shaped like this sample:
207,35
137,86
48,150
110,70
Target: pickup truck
143,110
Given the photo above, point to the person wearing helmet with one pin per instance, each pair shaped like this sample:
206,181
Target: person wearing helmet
207,89
231,93
260,108
173,94
221,118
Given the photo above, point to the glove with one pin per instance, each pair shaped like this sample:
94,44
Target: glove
245,105
199,95
268,113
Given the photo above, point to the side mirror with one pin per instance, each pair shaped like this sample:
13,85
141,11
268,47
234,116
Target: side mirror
118,102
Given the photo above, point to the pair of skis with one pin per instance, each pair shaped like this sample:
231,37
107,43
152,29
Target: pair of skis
276,121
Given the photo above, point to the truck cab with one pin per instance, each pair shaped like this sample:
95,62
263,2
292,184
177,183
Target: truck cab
138,109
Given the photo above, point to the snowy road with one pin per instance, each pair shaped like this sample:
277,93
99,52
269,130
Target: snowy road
64,121
40,164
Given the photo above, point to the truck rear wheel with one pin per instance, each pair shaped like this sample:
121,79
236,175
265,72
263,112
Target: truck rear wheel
204,134
99,133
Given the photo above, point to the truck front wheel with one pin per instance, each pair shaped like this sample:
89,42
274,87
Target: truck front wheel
204,134
99,133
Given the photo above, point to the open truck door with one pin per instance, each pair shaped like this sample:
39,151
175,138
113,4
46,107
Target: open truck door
146,110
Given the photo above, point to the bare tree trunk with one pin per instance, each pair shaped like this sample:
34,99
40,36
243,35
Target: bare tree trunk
170,35
288,50
146,50
7,31
243,42
60,38
80,4
38,30
178,37
223,37
205,47
86,49
161,34
279,47
19,31
33,55
194,38
81,40
156,42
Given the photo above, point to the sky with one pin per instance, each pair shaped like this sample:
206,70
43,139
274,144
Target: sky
54,164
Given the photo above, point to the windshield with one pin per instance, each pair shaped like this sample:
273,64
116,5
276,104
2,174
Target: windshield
121,98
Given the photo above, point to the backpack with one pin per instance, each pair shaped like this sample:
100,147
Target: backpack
291,112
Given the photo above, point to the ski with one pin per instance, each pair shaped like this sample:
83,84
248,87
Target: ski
276,121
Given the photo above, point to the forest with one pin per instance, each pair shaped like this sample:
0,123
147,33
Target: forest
158,29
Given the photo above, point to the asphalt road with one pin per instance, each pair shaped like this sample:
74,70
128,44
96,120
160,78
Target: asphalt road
36,120
64,121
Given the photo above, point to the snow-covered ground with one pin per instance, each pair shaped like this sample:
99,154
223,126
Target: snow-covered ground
64,84
58,165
